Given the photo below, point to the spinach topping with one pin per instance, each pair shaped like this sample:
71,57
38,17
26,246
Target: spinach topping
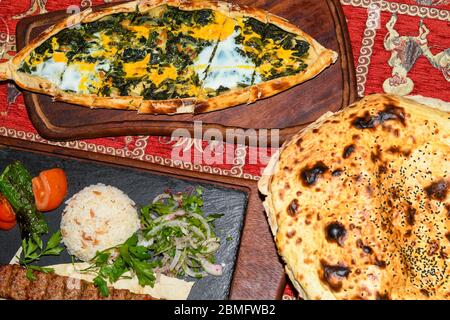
182,49
203,17
163,92
105,91
301,48
74,39
222,89
174,16
44,47
275,33
133,55
24,68
256,25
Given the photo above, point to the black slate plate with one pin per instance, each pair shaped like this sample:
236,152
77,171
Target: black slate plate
140,186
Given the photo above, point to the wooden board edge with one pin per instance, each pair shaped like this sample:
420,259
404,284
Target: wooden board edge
243,287
347,61
52,132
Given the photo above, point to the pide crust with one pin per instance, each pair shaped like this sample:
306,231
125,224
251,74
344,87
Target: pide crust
359,202
318,59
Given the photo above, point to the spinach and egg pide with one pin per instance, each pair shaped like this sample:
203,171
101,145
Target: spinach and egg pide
166,52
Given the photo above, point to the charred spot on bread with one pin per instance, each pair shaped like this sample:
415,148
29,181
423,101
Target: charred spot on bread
425,292
411,215
382,296
390,113
406,153
380,263
437,190
336,232
376,155
309,175
366,249
292,208
290,234
398,150
382,169
333,275
394,149
201,106
348,150
433,247
369,190
443,255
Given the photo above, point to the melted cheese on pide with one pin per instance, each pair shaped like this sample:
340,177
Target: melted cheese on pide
105,49
139,69
220,29
276,51
247,33
159,75
136,69
140,31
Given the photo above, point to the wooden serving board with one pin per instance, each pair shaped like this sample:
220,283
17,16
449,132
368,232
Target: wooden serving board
258,272
288,111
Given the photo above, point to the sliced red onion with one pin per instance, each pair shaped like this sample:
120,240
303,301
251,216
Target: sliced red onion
176,259
213,269
194,244
175,223
192,273
160,197
211,247
204,223
198,232
176,214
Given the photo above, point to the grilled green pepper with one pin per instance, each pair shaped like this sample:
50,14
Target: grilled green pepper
16,186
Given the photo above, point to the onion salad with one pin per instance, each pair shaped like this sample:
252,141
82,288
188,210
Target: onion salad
175,229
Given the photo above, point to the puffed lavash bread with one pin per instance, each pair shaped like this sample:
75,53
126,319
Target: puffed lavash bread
359,204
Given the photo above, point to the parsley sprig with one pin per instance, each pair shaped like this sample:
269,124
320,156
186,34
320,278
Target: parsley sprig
128,256
33,250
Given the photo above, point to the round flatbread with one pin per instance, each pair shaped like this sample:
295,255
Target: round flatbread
359,202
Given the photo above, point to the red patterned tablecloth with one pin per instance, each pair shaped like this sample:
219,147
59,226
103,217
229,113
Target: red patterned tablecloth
399,46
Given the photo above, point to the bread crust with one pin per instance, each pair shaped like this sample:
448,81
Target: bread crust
382,193
319,58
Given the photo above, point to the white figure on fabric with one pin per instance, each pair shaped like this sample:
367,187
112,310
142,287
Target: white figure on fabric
37,6
405,52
